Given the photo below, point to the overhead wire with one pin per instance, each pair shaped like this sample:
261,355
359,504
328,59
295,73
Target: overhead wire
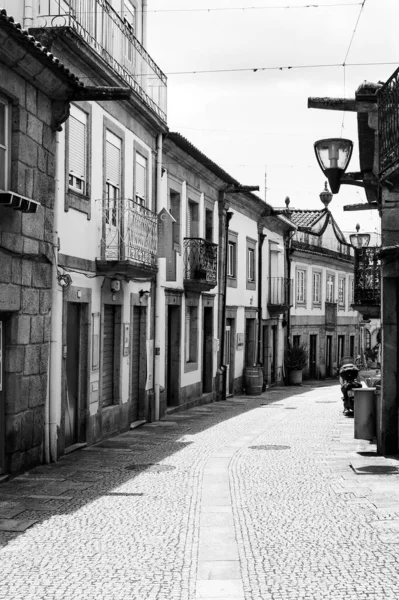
346,56
282,68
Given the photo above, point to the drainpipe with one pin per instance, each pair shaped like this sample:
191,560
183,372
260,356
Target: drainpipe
158,301
54,395
144,24
262,237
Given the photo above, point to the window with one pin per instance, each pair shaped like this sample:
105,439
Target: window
174,203
330,288
113,148
191,334
301,286
341,292
367,339
296,340
316,288
77,150
208,225
4,145
192,220
231,260
141,179
129,19
251,264
351,292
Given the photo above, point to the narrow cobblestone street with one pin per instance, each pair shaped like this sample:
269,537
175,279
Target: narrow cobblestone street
256,498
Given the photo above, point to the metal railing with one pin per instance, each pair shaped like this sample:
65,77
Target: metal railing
342,251
200,260
367,276
129,232
112,38
331,314
388,123
280,291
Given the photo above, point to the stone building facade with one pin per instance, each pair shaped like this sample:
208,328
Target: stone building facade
33,89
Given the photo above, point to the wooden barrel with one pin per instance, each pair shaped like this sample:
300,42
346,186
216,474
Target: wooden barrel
253,380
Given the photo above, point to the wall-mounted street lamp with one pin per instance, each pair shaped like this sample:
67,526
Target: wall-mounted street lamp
359,240
333,156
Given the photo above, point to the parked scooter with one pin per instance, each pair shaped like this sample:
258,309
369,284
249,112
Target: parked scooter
349,380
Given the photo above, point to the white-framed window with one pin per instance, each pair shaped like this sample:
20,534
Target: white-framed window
330,288
141,179
301,286
316,288
113,152
191,334
351,292
77,150
231,260
5,144
251,264
129,19
341,291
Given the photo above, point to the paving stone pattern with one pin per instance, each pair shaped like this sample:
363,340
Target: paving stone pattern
241,499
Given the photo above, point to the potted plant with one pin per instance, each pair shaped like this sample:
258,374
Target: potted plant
295,359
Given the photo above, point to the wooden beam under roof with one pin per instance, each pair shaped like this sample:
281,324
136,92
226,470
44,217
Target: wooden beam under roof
345,104
361,206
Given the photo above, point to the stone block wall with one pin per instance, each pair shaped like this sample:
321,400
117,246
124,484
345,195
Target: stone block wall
25,272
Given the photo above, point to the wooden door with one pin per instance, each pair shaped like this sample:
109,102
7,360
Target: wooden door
136,362
227,355
313,356
72,374
328,355
108,364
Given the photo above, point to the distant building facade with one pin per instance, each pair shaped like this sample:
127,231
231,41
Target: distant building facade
322,267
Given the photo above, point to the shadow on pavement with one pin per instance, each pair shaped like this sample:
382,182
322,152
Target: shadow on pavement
83,476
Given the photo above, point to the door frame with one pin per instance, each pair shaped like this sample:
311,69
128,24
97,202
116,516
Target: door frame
313,337
82,296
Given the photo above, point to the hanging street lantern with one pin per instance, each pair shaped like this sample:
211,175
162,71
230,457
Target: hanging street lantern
359,240
333,156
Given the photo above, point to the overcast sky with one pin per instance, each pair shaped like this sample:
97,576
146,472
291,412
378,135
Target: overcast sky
255,122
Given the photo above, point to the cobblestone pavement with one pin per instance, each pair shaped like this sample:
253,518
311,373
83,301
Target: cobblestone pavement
265,498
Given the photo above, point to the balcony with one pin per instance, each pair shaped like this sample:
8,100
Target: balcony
128,240
280,295
200,264
102,29
331,311
367,294
388,126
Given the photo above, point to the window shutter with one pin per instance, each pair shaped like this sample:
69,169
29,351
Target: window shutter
304,288
77,142
113,159
141,176
189,219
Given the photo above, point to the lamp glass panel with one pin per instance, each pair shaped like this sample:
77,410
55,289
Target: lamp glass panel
334,153
358,240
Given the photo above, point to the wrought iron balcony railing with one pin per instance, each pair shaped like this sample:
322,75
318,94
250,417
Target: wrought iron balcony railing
367,277
388,124
331,312
112,38
129,233
200,263
342,252
280,293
